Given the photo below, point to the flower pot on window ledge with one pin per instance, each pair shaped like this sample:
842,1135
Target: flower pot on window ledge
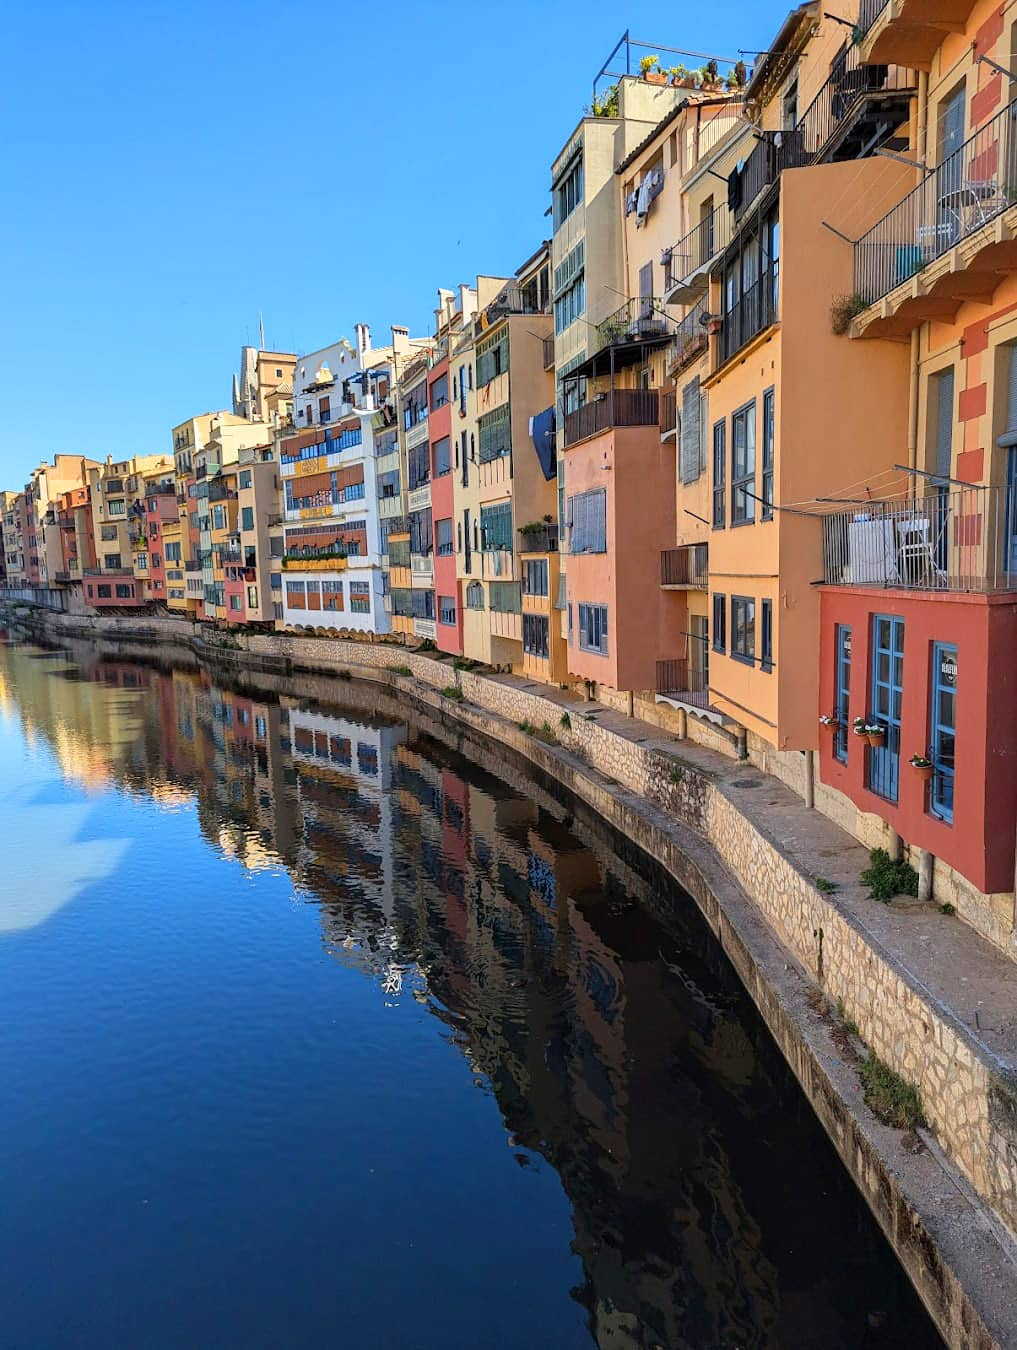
875,736
830,723
715,327
923,767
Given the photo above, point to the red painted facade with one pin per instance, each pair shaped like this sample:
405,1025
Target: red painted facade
446,583
979,842
160,507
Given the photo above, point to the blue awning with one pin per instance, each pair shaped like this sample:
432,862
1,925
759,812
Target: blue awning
542,431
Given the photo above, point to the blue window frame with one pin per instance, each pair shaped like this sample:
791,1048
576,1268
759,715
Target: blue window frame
842,690
720,623
886,703
943,728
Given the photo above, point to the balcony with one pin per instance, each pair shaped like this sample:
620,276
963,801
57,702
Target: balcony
940,541
687,263
317,560
518,300
541,538
773,153
685,568
689,339
399,553
548,353
858,109
680,682
192,565
754,311
948,240
617,408
668,413
640,320
909,31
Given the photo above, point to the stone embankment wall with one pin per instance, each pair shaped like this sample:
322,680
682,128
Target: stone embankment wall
645,790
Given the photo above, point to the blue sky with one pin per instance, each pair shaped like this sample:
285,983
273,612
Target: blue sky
170,171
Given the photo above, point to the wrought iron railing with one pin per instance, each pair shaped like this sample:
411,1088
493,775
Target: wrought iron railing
690,336
941,540
755,310
641,319
548,353
849,82
773,153
668,414
971,187
618,408
684,683
868,12
688,565
697,249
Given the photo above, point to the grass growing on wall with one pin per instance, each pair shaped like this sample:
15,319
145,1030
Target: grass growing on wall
893,1099
886,878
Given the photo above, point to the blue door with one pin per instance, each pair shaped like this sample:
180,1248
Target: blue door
842,680
886,702
943,728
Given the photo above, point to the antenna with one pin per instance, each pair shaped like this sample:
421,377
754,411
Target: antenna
261,329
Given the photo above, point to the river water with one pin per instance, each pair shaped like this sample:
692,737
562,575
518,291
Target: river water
319,1028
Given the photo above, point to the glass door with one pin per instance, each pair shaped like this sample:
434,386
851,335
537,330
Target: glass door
943,728
886,703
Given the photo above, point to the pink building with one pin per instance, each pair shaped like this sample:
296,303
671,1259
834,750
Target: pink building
448,608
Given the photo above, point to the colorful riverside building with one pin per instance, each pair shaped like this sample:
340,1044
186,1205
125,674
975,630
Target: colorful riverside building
918,606
634,491
505,475
117,499
413,411
333,538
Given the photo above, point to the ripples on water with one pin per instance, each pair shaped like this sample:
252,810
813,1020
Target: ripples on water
317,1032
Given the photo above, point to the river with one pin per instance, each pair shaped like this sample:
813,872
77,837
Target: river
322,1026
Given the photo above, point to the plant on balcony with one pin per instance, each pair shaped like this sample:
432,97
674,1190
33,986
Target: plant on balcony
874,733
683,78
652,70
843,309
923,766
859,726
606,106
709,77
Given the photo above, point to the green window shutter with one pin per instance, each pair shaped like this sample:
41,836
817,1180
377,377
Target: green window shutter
691,455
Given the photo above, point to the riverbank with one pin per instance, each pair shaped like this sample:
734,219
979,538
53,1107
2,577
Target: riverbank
926,994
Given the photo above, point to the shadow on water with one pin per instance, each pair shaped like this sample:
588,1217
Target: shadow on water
579,984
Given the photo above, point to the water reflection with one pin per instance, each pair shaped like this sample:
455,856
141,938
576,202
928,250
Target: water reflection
579,988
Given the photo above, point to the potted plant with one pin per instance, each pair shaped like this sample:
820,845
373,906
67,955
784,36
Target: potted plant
859,726
651,69
709,77
829,720
683,77
714,324
923,767
875,734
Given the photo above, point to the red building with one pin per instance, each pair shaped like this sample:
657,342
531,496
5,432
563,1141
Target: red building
161,509
934,670
447,601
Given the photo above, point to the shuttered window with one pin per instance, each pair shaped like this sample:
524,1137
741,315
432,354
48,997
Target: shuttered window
719,475
496,527
942,447
691,453
492,358
587,522
495,434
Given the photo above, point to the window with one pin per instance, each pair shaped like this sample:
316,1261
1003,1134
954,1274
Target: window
360,597
141,562
245,478
446,609
296,594
104,592
116,507
415,406
587,522
885,703
474,595
720,623
535,577
593,629
691,454
568,193
766,636
111,562
236,603
332,595
421,532
252,597
388,484
646,290
536,632
109,532
505,597
743,628
442,457
495,432
156,560
842,689
743,464
492,358
766,511
418,459
496,527
247,518
439,392
423,604
570,305
943,729
719,474
124,591
444,545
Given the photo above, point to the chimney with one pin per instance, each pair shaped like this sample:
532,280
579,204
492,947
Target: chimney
363,341
400,340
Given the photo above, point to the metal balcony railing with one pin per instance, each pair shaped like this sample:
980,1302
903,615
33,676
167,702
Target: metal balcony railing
773,153
518,300
548,353
689,337
538,539
939,541
970,188
620,408
697,249
687,567
755,310
684,683
641,319
868,12
839,100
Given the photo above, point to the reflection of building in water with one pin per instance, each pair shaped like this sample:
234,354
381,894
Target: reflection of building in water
344,774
